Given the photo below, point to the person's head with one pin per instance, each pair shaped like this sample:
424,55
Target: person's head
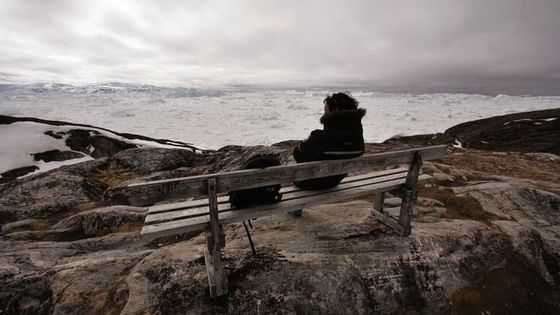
340,101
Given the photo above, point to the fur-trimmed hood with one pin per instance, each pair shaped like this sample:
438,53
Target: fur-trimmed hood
343,116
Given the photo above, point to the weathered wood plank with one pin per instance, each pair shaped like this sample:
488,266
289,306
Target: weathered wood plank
151,192
285,190
409,188
217,281
213,210
199,223
214,265
209,262
389,221
214,223
378,201
405,215
361,180
185,205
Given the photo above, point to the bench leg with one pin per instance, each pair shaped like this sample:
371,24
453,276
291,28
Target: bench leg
405,216
409,192
215,241
214,266
379,200
379,215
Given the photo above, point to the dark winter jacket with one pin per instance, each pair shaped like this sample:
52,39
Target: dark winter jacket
341,138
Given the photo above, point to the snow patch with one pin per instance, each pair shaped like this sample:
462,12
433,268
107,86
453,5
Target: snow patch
45,167
535,121
457,144
20,140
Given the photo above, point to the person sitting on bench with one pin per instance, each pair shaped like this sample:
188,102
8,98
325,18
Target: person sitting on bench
341,138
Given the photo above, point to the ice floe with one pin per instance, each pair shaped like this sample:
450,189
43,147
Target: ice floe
212,119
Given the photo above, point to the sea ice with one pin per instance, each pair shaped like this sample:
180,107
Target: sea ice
211,119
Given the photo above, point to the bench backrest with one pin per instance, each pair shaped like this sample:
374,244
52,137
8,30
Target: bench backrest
148,193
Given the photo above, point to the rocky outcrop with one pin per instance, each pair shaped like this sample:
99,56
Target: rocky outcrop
485,239
537,131
478,237
94,143
56,155
77,284
95,285
102,221
46,195
91,223
16,172
82,133
25,224
82,141
150,160
85,183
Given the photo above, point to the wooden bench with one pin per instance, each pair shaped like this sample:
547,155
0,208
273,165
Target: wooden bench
212,212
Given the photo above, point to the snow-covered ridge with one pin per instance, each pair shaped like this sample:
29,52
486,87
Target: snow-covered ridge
41,145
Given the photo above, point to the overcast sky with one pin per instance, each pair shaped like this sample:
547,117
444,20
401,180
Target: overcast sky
509,46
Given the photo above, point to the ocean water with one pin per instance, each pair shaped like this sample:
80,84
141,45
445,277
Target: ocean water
211,119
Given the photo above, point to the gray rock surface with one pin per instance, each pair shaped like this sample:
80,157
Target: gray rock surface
25,224
101,221
148,160
487,242
45,195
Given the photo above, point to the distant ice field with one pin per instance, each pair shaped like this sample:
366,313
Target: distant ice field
211,119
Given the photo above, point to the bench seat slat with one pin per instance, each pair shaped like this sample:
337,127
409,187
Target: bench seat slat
184,205
288,194
224,199
329,196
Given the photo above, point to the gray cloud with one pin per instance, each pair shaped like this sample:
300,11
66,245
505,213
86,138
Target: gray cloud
495,46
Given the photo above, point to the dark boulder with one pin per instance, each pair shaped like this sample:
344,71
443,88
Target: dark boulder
95,144
537,131
56,155
17,172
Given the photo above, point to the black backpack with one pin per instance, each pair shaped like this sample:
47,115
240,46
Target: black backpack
256,196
